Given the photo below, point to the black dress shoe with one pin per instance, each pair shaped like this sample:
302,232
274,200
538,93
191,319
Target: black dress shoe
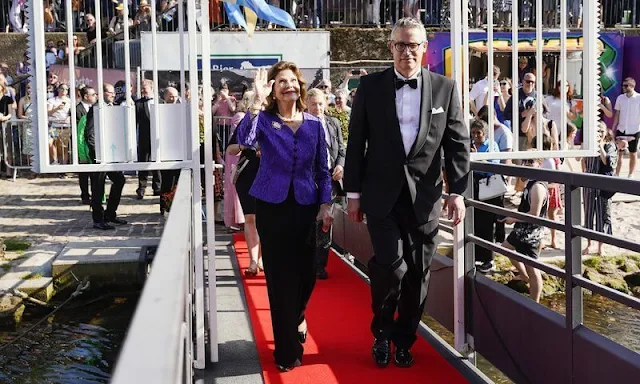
86,200
403,358
381,352
102,225
139,194
322,274
287,368
115,220
157,193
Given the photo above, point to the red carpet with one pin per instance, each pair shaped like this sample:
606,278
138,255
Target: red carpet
338,347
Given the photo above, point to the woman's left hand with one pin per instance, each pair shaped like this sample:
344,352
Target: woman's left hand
326,216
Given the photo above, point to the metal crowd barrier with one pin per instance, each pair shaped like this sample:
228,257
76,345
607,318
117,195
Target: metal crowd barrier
581,348
324,13
17,145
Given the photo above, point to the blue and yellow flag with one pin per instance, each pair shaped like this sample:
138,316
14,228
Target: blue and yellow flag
254,10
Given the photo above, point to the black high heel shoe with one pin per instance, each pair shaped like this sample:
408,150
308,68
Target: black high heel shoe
287,368
302,336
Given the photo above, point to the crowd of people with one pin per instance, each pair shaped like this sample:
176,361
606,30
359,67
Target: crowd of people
618,132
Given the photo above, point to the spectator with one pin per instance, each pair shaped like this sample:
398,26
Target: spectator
501,101
530,128
523,68
15,16
555,200
526,97
25,108
244,179
526,238
52,85
484,221
341,112
143,17
626,122
480,91
51,54
90,28
325,86
597,203
501,133
116,25
554,105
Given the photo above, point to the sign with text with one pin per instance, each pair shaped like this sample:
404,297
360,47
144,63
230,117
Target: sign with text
224,63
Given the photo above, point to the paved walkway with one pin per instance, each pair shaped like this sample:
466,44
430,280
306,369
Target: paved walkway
47,209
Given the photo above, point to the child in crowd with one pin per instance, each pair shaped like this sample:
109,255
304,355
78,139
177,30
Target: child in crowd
526,238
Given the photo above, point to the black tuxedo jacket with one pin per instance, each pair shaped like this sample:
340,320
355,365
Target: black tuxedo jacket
80,111
143,123
376,164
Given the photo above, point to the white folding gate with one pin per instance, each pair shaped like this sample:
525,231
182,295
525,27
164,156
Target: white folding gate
175,134
590,74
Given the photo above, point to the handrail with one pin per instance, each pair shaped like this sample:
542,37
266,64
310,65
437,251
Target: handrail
157,336
572,227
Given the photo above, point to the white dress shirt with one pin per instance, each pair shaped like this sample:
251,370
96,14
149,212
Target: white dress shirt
408,112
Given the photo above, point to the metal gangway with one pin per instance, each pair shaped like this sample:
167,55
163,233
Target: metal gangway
179,298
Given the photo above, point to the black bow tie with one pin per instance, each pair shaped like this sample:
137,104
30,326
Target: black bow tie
413,83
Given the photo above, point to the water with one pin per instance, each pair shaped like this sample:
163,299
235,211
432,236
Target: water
613,320
78,344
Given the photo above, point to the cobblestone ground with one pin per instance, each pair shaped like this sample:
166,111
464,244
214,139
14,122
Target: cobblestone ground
47,208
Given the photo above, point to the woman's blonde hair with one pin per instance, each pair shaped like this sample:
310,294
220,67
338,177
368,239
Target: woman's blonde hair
247,99
278,67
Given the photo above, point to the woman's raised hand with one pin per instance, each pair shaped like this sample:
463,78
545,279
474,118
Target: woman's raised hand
262,86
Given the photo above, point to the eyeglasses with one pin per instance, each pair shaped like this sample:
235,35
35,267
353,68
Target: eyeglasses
504,83
529,81
323,86
626,85
402,47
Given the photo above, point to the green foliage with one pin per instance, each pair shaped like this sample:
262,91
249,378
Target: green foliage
15,244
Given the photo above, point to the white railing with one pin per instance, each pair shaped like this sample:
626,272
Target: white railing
159,347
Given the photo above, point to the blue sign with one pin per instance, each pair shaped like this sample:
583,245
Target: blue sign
240,62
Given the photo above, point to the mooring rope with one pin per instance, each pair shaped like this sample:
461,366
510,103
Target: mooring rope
80,288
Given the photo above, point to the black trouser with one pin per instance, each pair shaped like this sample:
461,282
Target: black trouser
97,190
169,180
399,271
144,155
287,237
83,180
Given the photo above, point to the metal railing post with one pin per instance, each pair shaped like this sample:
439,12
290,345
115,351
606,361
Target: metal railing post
573,266
459,330
469,267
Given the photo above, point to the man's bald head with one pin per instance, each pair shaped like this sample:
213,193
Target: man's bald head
170,95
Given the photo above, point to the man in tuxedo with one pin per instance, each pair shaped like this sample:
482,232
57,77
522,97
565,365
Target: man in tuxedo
316,103
143,122
103,219
401,122
88,98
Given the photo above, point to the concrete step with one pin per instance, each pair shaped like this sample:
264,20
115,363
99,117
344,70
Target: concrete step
40,288
113,262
